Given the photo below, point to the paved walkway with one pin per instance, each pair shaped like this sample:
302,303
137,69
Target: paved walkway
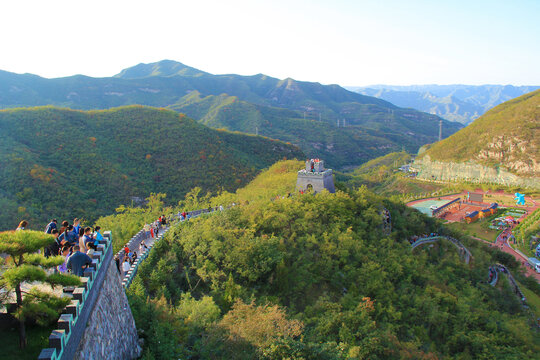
505,247
134,244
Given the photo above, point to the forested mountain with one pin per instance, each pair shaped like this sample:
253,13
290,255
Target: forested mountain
315,277
461,103
304,113
506,136
68,163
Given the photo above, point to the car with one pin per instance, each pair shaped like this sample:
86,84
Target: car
433,207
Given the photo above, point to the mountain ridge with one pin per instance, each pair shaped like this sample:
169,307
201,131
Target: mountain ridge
458,102
308,114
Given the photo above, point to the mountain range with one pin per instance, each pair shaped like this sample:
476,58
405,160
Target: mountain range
460,103
68,163
325,121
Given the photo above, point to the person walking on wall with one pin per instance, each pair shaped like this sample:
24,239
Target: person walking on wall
126,265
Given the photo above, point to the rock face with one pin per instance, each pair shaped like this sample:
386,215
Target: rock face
470,171
110,332
519,155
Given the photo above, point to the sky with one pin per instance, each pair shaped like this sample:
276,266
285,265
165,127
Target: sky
350,43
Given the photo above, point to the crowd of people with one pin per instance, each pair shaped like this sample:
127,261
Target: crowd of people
125,259
75,242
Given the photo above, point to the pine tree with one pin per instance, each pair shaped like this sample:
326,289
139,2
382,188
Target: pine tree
24,266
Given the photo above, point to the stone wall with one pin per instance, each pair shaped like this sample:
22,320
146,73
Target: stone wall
470,172
110,331
318,180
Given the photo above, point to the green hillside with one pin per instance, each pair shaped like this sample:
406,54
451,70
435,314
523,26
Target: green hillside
68,163
505,136
303,113
362,139
314,277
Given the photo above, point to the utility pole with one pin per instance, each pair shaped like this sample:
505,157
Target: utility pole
440,130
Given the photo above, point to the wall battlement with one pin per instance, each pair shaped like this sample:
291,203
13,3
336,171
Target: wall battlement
99,310
315,177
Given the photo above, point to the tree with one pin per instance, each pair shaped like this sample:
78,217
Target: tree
25,265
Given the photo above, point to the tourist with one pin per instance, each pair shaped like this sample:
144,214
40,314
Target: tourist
65,253
77,225
22,225
98,236
69,236
89,241
156,231
146,230
126,250
134,257
142,247
152,232
126,266
78,261
81,239
51,226
65,225
54,248
90,252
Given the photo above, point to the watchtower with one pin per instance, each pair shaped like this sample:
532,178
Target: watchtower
314,177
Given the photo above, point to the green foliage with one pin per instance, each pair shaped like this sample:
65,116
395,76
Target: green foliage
303,113
25,266
315,277
128,220
527,227
64,163
373,129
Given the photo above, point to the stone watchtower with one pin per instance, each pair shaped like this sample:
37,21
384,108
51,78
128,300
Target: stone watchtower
314,177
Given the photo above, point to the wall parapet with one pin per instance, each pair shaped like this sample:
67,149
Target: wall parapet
64,340
127,279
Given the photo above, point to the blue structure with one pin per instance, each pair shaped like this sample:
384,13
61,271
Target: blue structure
520,199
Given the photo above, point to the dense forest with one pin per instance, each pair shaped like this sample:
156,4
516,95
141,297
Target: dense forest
315,277
303,113
67,163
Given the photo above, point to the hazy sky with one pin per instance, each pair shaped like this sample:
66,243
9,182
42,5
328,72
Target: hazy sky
344,42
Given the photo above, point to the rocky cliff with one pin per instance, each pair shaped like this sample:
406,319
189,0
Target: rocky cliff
470,171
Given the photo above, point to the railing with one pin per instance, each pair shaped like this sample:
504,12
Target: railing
141,235
63,341
463,250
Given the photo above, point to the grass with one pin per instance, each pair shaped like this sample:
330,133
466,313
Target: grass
477,229
38,338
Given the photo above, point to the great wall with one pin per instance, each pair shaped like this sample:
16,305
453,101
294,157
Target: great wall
98,323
